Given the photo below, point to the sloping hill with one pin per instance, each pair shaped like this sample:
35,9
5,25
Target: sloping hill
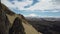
11,16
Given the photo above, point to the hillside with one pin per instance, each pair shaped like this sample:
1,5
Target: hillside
9,22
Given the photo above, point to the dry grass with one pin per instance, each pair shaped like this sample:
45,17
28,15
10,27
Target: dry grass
28,28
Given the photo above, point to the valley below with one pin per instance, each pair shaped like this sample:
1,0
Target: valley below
45,25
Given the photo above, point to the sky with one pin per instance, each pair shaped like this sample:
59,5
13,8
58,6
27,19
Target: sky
34,8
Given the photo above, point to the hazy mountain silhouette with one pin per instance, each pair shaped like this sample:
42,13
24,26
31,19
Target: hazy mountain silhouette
45,25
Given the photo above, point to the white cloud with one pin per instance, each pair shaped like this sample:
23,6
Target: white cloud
41,16
19,5
31,15
42,5
57,2
8,4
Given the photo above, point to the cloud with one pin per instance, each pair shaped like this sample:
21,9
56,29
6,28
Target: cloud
41,16
33,3
15,3
41,5
32,15
57,2
44,8
44,5
8,4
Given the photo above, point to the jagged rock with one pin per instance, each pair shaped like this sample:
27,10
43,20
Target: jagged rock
17,27
4,23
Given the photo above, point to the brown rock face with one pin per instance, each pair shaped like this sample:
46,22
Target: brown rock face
4,22
5,25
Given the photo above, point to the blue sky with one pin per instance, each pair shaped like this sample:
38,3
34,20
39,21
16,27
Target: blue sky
34,8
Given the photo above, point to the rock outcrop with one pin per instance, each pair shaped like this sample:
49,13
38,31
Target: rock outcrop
17,27
4,22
